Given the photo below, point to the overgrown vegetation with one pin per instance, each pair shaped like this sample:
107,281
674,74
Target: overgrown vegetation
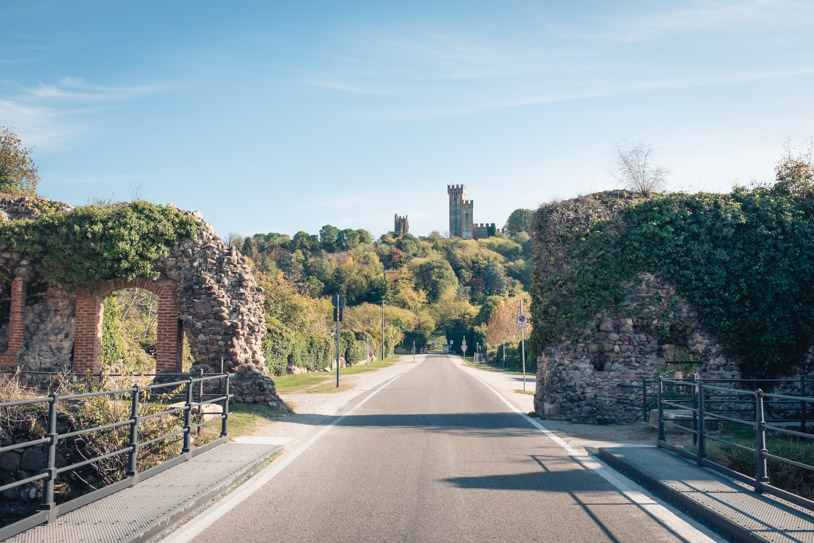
116,243
743,261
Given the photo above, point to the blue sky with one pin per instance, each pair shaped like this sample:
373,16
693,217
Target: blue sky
285,116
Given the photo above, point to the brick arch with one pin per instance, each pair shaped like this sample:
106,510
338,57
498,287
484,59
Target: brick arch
90,314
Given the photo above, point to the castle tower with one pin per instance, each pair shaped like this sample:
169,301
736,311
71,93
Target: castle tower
467,214
401,226
457,194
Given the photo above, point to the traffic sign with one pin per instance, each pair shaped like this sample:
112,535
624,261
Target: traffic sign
338,300
521,321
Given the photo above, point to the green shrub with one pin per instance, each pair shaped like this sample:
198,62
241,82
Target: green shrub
117,243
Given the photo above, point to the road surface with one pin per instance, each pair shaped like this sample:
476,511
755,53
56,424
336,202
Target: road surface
435,455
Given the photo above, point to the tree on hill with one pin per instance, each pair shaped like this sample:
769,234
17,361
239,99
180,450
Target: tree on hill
518,221
435,277
18,173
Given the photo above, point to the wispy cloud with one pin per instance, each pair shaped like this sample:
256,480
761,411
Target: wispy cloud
78,89
50,116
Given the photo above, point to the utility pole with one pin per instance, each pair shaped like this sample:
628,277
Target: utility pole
338,302
382,330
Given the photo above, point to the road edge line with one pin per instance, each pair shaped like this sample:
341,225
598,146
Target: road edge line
664,513
210,515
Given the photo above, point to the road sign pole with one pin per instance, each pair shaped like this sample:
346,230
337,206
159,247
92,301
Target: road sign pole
337,345
523,346
382,331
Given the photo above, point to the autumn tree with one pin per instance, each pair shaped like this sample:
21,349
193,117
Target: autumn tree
502,324
18,173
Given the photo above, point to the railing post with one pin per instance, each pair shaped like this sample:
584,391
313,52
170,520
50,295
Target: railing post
644,400
694,413
200,400
662,437
702,438
47,503
132,460
224,429
188,420
803,403
760,445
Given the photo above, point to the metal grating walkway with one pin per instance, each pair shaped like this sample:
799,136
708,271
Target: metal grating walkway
139,512
720,501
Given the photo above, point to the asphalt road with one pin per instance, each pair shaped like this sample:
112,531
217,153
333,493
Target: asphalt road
436,456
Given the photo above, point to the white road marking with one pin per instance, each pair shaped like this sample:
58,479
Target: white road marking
686,529
211,515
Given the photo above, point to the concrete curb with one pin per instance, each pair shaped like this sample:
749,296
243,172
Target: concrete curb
707,516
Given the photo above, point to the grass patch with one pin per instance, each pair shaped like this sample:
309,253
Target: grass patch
246,418
521,391
490,367
324,381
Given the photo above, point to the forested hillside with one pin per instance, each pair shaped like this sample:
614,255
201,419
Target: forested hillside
434,290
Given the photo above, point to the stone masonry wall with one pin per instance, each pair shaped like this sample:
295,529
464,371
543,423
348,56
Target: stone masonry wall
652,330
214,300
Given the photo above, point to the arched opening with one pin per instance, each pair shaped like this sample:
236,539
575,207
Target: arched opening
129,331
159,311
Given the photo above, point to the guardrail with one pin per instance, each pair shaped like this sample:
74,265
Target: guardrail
49,509
693,398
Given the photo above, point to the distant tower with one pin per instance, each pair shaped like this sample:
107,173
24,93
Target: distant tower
401,226
457,195
467,214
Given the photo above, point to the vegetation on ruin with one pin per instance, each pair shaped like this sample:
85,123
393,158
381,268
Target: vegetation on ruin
744,261
111,243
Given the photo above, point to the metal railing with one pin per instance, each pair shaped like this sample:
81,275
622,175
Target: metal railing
642,387
701,404
48,509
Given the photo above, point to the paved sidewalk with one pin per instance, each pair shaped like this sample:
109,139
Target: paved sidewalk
717,500
138,513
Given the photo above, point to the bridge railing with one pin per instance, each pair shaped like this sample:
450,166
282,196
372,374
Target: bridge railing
194,419
696,406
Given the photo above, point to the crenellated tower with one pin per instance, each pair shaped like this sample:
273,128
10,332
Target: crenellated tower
457,194
462,214
401,226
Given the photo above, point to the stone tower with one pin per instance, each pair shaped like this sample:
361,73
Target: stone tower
401,226
461,215
457,194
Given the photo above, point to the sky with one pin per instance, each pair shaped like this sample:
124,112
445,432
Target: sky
286,116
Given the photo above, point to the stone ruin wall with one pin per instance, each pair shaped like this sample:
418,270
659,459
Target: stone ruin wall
588,380
213,295
639,338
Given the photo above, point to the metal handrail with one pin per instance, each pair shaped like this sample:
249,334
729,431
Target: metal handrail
757,401
52,437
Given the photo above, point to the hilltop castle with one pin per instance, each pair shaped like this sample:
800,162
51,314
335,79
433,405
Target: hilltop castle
461,214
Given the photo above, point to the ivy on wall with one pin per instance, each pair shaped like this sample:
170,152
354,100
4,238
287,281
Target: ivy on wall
744,261
116,243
